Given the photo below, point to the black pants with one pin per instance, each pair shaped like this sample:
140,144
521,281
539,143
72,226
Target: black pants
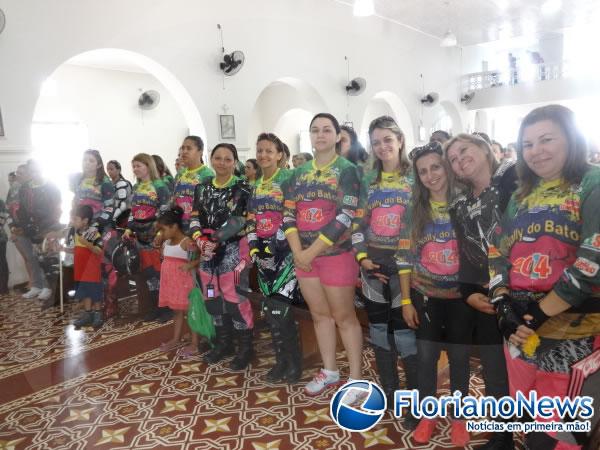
443,323
489,343
3,269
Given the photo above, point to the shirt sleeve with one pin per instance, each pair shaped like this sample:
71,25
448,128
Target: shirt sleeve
347,204
195,227
289,205
108,204
404,255
361,222
251,225
237,221
582,279
498,262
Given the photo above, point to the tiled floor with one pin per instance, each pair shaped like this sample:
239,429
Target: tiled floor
67,389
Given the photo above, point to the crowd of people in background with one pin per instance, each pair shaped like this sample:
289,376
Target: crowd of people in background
459,244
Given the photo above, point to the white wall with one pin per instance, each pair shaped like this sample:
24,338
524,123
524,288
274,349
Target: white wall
305,39
106,102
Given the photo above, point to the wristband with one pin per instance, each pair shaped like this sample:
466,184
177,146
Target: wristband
405,301
539,316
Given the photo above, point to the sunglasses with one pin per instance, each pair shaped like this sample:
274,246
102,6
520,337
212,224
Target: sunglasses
432,147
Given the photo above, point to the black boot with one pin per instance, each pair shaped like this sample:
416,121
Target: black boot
223,343
153,311
499,441
387,370
277,372
293,352
411,366
245,350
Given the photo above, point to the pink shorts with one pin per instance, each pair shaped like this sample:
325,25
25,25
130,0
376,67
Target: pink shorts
339,270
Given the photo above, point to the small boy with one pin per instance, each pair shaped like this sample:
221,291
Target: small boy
88,269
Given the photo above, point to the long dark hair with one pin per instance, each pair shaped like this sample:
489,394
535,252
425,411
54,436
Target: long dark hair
356,153
199,143
576,164
388,123
162,168
421,208
117,164
100,172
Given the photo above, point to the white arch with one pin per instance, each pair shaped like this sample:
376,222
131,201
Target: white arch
388,103
277,99
452,111
162,74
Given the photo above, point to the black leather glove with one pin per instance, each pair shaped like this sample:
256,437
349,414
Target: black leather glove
508,317
539,316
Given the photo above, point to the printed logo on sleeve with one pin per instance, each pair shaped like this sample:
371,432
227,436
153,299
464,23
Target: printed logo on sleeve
586,267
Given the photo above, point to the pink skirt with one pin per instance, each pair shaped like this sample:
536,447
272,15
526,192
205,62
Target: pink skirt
175,284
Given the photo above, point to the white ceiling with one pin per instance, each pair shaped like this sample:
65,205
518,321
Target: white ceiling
480,21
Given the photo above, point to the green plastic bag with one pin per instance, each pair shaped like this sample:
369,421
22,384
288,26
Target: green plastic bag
199,320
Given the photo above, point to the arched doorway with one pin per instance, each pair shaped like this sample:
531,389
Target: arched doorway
91,101
285,108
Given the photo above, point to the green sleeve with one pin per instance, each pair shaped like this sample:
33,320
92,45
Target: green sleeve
348,192
580,280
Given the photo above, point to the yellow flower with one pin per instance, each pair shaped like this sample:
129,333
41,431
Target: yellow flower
531,345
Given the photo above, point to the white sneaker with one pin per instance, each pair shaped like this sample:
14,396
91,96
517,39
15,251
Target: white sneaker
45,294
320,382
32,293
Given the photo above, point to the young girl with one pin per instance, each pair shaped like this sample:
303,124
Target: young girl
87,274
218,227
384,200
271,254
176,276
320,203
431,299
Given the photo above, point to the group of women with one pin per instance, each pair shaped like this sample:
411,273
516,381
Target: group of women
454,250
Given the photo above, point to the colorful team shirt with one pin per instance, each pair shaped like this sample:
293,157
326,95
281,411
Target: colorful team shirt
221,209
185,186
550,240
378,222
321,203
148,198
265,212
433,259
88,265
99,196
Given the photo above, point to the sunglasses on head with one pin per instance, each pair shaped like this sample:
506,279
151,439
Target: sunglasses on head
432,147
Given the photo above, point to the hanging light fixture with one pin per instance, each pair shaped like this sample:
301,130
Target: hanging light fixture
364,8
449,40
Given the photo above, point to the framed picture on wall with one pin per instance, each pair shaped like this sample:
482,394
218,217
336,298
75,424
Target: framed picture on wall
1,125
227,124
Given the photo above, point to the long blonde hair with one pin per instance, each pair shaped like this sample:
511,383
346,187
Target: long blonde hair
148,160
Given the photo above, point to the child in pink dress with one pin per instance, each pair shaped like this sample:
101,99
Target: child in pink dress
176,276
